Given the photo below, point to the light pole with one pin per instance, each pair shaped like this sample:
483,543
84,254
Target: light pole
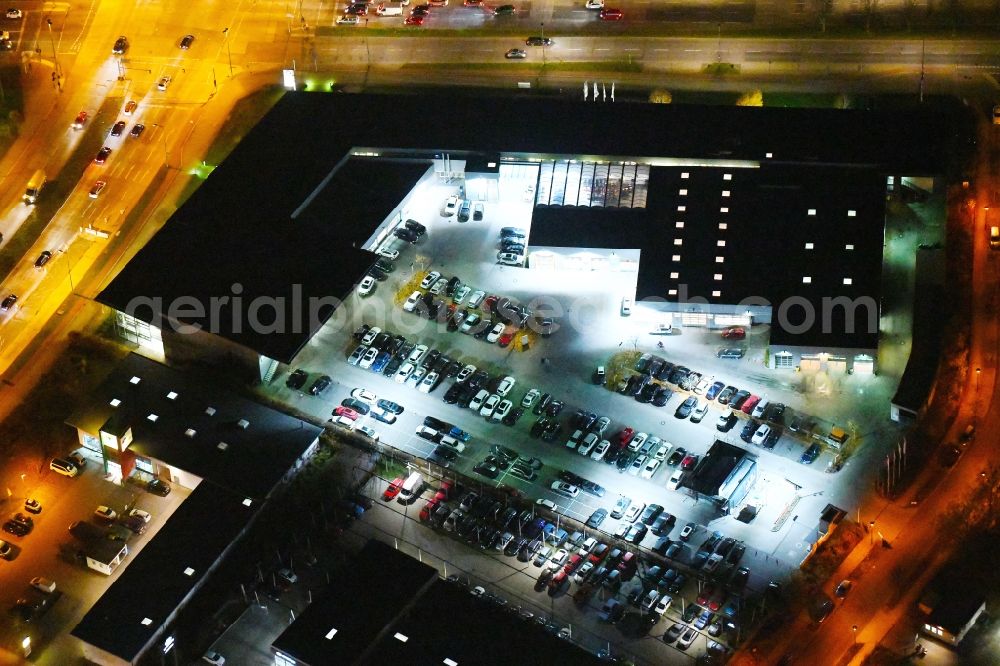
228,52
543,43
871,532
975,405
854,629
55,59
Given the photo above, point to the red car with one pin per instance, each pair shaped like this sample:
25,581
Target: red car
346,412
425,513
611,15
706,594
473,3
489,303
393,489
81,120
574,562
505,339
749,404
734,333
102,155
414,20
556,581
625,436
689,462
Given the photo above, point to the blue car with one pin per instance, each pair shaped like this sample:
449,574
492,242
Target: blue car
458,433
810,455
714,390
381,361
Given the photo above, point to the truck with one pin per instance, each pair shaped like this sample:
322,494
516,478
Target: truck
390,9
34,187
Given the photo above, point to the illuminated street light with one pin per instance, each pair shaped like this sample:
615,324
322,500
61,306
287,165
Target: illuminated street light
854,628
26,645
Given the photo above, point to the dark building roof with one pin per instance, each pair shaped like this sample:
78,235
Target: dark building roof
955,610
930,308
266,242
254,458
155,582
767,226
238,227
715,468
436,621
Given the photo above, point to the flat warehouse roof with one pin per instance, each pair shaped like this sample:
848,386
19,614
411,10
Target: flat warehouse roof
192,419
155,582
240,227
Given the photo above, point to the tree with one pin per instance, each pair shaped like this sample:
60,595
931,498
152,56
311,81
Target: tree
870,6
660,96
824,10
752,98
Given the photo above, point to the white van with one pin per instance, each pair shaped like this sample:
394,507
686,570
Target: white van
390,9
626,306
411,488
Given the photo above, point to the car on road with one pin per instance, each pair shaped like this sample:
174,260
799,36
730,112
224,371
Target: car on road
509,259
320,384
597,518
120,47
684,409
80,120
516,54
163,83
726,421
186,42
611,14
297,379
118,128
810,455
564,489
102,155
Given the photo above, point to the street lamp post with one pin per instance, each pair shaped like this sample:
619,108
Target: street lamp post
55,59
975,404
854,629
543,43
871,532
228,52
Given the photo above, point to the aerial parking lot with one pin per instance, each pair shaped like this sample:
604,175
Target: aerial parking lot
553,386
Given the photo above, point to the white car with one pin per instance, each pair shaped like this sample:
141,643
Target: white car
702,386
530,397
589,442
649,601
142,514
638,464
163,83
14,14
650,469
546,504
417,354
594,4
477,402
105,513
371,335
471,321
364,395
699,412
450,206
348,19
675,479
588,545
574,439
601,425
429,279
429,382
633,511
506,384
391,255
758,411
439,286
416,377
713,563
564,489
495,333
661,453
663,604
509,259
637,441
502,410
371,433
684,642
762,432
460,294
489,405
581,574
600,450
343,422
367,286
403,373
560,557
356,355
476,298
411,301
43,584
465,373
368,359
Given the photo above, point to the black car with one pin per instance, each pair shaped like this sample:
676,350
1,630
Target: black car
453,394
297,379
662,525
552,431
358,406
361,332
772,437
390,406
405,235
775,413
486,469
539,426
102,155
186,42
593,488
678,375
512,416
663,374
137,130
655,366
16,527
676,457
516,248
726,395
452,369
748,430
8,302
321,384
597,518
554,408
810,455
118,128
647,393
431,357
542,403
571,478
504,452
538,41
392,366
643,362
446,453
121,45
726,422
158,487
415,227
452,285
651,513
684,410
43,259
738,399
662,395
379,275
